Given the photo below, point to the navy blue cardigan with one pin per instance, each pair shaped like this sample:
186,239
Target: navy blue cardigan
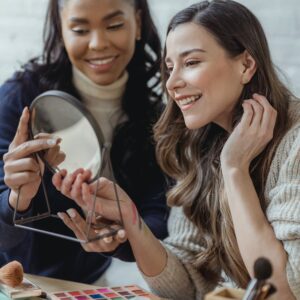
135,169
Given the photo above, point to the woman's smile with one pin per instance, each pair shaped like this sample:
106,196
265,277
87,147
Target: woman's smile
186,102
103,64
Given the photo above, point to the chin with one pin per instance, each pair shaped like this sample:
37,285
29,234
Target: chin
194,124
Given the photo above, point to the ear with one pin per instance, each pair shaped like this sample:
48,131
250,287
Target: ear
138,20
248,67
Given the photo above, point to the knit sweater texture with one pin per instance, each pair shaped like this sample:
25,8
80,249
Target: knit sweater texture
181,280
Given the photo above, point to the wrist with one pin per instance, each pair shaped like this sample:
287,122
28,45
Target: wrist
232,169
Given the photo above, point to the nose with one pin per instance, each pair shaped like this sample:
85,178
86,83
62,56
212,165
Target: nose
98,40
175,81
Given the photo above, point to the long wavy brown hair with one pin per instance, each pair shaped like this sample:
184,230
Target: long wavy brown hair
192,157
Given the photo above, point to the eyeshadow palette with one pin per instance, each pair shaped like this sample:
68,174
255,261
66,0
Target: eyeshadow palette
132,292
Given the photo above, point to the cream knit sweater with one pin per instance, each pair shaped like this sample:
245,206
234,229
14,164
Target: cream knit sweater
180,279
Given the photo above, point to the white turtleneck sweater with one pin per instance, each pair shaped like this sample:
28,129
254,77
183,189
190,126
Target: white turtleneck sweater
103,101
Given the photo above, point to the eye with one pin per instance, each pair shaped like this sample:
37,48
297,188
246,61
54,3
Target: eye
80,31
190,63
169,69
115,26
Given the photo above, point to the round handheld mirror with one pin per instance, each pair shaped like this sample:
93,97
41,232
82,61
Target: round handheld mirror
60,115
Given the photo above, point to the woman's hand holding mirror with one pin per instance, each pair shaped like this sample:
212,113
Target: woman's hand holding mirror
54,155
75,186
70,184
68,141
23,170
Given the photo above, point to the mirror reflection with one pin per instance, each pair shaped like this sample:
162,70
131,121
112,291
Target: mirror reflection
61,115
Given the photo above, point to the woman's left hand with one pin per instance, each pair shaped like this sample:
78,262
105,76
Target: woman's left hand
79,227
251,135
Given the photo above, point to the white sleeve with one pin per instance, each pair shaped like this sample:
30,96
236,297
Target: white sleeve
180,279
283,211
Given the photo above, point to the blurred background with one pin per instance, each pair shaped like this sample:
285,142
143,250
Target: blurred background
21,23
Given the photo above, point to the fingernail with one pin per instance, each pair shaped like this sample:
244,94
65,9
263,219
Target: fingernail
107,240
121,233
51,142
71,212
60,215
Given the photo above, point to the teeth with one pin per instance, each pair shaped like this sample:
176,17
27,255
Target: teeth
102,61
188,100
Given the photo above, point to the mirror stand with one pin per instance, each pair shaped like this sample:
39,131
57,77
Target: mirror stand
90,228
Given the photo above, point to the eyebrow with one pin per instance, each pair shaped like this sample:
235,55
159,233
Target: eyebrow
105,18
187,52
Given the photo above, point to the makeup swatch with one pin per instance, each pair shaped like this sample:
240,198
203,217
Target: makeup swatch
132,292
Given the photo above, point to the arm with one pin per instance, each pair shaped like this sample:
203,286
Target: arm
10,112
152,208
250,223
283,211
17,169
169,270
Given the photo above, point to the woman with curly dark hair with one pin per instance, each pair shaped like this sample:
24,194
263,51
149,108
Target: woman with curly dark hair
107,54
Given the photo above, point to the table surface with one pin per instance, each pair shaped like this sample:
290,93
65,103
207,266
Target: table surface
51,285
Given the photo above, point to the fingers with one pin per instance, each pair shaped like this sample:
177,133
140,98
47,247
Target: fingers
43,135
67,219
68,181
87,198
258,114
29,147
77,186
16,180
77,224
22,131
247,115
269,117
121,236
58,178
106,200
25,164
20,146
54,156
115,233
258,111
19,172
71,185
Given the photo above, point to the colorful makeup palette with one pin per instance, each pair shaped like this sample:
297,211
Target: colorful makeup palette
132,292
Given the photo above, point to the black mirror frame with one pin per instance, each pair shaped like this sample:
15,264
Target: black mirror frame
104,148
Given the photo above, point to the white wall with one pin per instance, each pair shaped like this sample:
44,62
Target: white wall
21,23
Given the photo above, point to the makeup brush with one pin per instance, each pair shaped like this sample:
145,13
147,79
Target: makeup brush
262,271
12,274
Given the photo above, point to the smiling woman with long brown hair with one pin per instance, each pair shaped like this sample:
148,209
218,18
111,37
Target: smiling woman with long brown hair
229,138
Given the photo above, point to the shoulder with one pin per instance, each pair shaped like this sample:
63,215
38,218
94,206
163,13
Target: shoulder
16,93
291,139
294,112
21,87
